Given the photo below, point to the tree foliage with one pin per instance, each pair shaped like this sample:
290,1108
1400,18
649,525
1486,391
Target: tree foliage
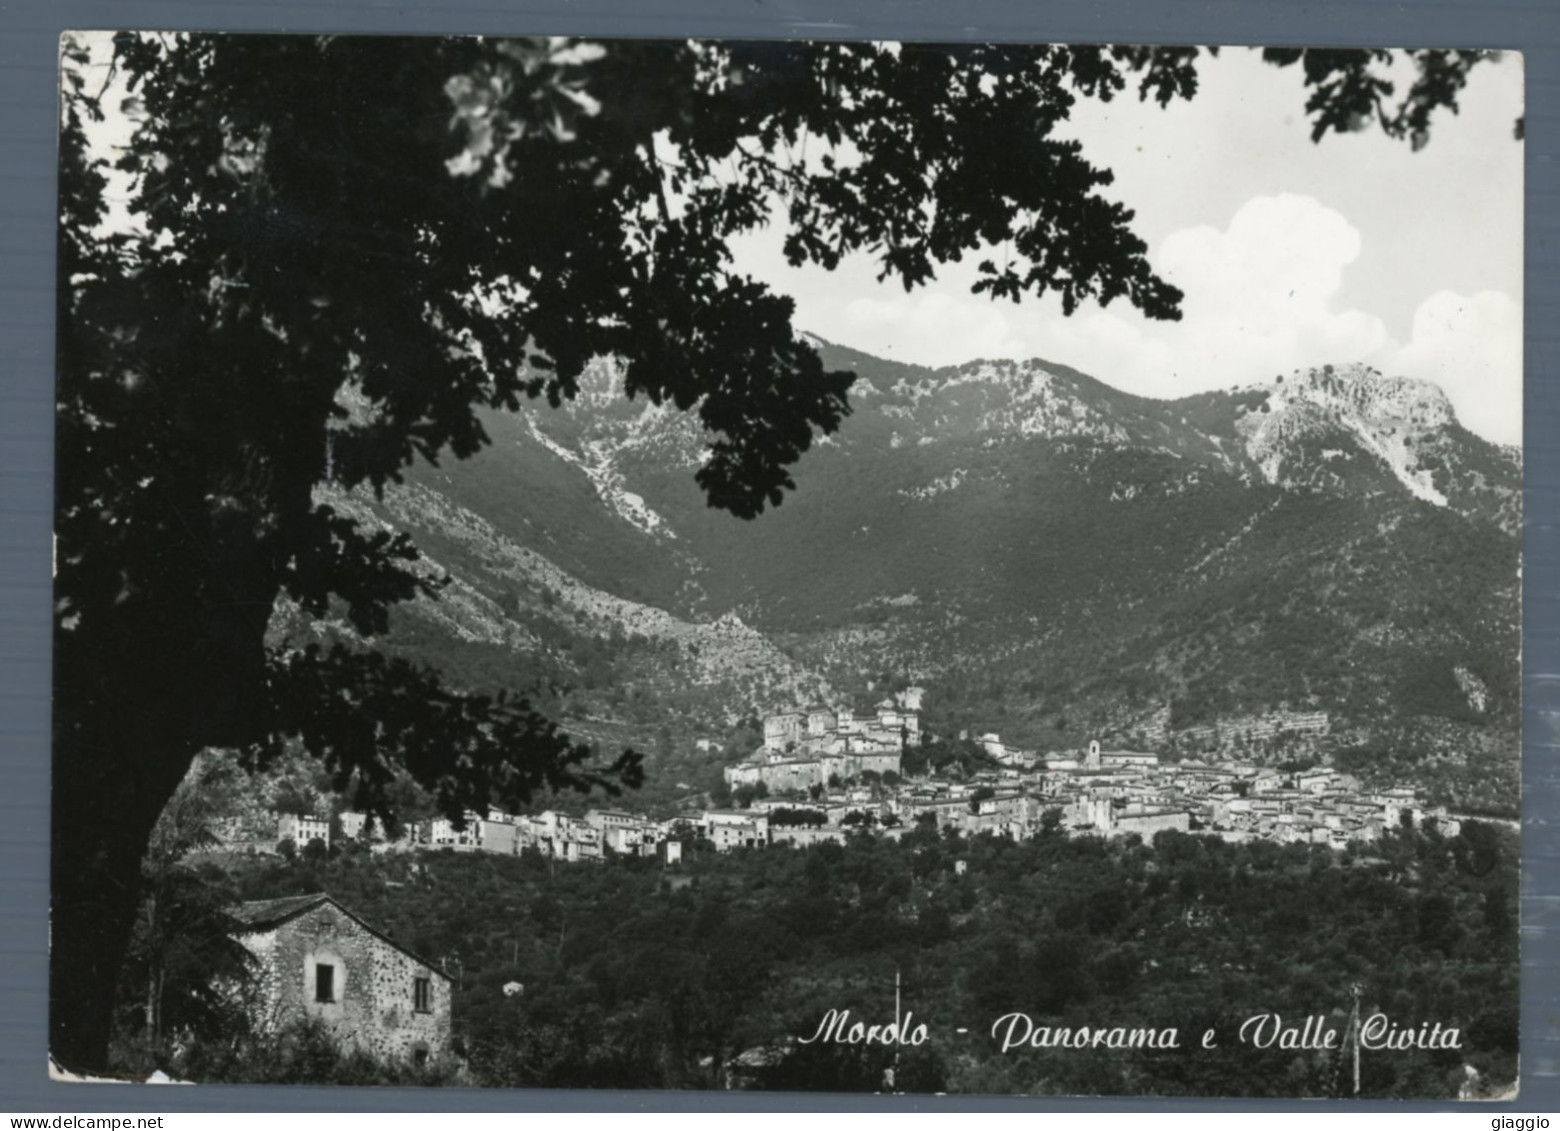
185,975
1350,89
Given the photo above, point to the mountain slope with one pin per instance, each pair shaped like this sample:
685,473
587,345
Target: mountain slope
1049,555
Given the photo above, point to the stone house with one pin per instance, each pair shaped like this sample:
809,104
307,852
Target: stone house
318,960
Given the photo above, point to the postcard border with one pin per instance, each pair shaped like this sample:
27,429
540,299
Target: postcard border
27,225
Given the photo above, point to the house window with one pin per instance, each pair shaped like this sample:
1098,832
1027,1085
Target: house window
324,982
420,1055
422,995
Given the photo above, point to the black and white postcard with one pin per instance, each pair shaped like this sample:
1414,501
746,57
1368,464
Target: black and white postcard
820,566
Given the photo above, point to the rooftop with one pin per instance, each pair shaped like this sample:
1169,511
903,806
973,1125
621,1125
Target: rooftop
263,914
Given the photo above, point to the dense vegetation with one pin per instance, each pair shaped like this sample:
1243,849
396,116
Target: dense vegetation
706,975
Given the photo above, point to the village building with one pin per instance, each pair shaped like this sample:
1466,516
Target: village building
800,836
559,836
1146,820
847,771
497,832
318,960
820,721
740,828
783,729
301,829
1094,791
1119,759
355,825
442,833
1267,781
624,833
801,774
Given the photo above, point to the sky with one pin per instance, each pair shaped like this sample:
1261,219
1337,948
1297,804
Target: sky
1290,253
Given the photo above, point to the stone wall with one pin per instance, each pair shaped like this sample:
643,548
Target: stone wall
373,1006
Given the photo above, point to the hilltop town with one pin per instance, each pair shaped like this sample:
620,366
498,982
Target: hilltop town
822,774
828,772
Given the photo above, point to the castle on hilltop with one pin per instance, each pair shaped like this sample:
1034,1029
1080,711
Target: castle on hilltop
803,749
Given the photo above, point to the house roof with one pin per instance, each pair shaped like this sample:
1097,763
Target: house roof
262,913
266,914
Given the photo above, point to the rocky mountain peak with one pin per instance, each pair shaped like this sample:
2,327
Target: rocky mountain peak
1394,419
1368,395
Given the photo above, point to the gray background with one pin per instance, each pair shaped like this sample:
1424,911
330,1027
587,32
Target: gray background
29,30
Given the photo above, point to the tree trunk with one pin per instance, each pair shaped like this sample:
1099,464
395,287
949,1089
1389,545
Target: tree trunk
139,688
153,990
107,796
162,979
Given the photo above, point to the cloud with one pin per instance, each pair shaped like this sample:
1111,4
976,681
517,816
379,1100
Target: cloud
1277,265
1470,345
1260,293
1261,299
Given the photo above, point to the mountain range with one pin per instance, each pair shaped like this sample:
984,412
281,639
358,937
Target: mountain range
1319,565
